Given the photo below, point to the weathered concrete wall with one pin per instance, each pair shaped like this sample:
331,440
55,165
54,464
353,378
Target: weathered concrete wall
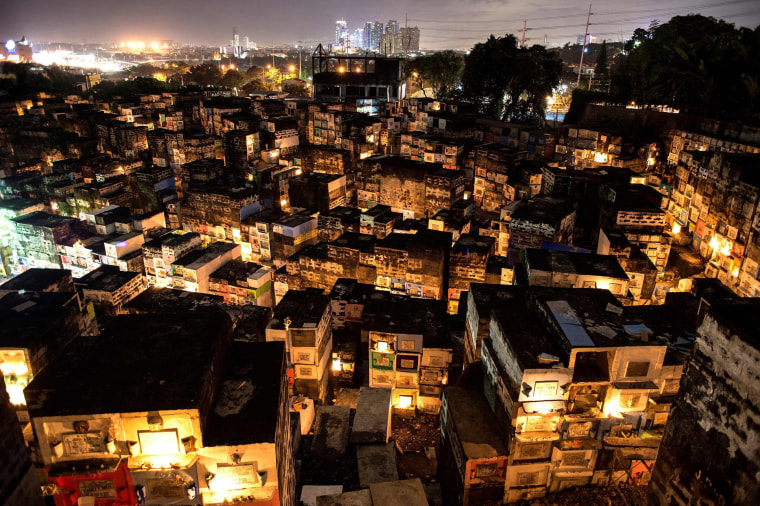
331,431
372,420
710,453
377,463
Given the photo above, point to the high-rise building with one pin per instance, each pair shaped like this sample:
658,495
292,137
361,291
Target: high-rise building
357,40
341,32
410,39
406,41
376,36
235,37
392,27
367,35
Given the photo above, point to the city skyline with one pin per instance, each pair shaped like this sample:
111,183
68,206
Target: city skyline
454,24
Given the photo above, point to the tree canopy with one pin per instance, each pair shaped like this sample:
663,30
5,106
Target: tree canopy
697,64
205,74
22,79
138,86
601,61
144,70
232,79
297,89
508,82
442,70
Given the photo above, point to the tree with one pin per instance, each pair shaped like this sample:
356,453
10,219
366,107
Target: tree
254,85
698,65
297,89
60,80
255,73
23,80
488,70
442,70
144,70
232,79
205,74
510,83
601,61
139,86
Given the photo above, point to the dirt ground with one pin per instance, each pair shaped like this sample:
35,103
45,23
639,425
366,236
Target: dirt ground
346,397
623,495
417,440
415,433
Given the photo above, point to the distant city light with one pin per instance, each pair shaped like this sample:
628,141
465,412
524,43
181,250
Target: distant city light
84,61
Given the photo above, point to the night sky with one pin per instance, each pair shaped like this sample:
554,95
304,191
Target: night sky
443,23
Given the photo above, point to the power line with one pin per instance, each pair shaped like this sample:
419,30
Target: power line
471,30
651,15
478,33
703,6
674,13
643,12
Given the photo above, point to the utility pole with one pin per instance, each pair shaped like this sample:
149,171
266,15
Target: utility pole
583,49
522,38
